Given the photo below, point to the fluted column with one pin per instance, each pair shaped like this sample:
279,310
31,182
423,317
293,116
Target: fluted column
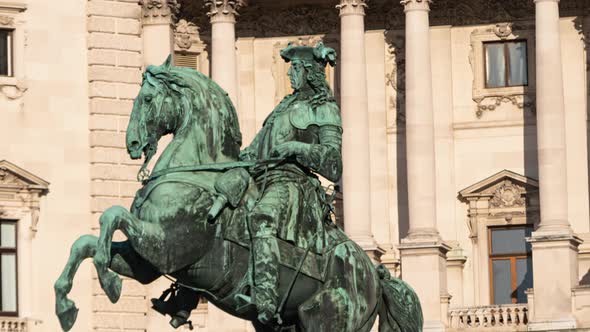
222,14
355,120
554,245
423,254
158,18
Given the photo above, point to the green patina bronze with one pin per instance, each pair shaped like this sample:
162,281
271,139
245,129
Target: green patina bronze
248,230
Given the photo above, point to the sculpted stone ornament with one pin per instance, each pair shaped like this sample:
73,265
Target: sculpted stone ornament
159,11
248,230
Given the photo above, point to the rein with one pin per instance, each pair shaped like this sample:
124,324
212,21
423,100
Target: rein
219,167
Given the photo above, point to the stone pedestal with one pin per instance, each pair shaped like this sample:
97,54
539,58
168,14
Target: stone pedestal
424,267
554,279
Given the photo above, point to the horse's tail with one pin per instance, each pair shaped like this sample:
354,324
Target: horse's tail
399,308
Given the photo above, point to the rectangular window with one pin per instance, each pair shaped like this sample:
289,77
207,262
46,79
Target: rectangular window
8,268
510,264
506,64
6,52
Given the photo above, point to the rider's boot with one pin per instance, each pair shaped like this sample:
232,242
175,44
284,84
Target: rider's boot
179,305
187,300
266,274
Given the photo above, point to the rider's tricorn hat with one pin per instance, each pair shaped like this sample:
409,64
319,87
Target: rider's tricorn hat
320,54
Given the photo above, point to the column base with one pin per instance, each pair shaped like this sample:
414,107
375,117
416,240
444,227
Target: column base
553,325
370,246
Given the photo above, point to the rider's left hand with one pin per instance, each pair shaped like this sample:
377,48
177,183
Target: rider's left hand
288,149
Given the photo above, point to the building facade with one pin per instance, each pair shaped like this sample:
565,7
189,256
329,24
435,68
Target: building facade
465,144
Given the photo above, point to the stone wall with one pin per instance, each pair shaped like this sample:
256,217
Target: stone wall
114,77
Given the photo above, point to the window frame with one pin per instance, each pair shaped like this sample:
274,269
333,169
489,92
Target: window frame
520,97
506,61
15,252
512,257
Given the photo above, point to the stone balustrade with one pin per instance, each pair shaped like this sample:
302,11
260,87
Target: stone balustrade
509,317
13,324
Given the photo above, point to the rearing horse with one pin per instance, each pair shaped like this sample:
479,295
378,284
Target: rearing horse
169,229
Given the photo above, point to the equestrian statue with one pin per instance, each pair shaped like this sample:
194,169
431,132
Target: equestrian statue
250,231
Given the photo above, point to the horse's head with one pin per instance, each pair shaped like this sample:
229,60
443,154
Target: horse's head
154,113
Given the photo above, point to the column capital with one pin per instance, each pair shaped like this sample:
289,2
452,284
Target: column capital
159,11
224,10
535,1
352,7
416,4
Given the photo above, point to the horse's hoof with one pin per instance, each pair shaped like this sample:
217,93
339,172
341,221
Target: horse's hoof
111,284
67,314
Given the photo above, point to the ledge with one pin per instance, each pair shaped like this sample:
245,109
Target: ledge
12,6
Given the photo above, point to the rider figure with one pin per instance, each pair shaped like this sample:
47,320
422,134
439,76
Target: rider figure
304,129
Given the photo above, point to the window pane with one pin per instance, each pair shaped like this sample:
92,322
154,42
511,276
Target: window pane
4,49
524,278
495,65
510,241
8,235
518,63
502,281
8,266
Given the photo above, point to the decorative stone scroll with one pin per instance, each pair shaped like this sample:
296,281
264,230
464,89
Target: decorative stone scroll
159,11
352,7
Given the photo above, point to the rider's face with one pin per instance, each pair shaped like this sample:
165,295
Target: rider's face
297,75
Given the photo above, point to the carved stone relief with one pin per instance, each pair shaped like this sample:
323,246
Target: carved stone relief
6,21
186,34
508,194
395,77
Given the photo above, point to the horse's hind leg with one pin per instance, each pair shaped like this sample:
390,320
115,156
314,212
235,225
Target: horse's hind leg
125,262
327,311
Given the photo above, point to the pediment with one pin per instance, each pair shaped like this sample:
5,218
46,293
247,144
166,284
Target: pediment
13,177
504,189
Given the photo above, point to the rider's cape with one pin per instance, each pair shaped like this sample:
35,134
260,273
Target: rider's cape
303,116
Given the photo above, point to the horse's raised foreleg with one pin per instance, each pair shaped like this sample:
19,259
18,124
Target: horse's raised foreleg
65,308
125,261
110,221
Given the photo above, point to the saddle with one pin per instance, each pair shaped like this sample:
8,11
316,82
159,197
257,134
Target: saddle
232,189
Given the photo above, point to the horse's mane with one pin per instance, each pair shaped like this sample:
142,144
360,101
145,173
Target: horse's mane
200,98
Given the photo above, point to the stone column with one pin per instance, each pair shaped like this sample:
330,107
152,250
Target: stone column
555,247
222,14
423,253
355,119
158,17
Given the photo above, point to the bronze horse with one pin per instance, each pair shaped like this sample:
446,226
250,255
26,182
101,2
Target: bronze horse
171,230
